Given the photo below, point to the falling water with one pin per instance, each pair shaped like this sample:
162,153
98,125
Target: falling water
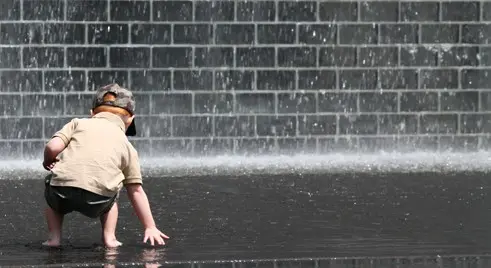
260,88
255,86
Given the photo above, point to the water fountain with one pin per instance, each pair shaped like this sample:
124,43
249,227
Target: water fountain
331,83
232,88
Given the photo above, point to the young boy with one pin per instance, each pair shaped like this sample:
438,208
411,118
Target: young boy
90,161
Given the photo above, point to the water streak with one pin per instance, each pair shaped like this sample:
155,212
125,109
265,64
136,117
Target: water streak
329,163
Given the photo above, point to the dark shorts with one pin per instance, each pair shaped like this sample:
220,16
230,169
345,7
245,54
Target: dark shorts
65,200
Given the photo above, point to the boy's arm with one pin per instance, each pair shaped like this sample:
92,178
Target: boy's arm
57,144
54,147
140,203
139,199
133,183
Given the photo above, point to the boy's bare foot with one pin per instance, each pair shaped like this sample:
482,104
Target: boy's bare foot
112,243
52,243
109,221
55,221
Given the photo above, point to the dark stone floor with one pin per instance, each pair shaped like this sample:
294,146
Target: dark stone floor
291,220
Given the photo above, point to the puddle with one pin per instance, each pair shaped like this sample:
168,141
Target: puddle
270,221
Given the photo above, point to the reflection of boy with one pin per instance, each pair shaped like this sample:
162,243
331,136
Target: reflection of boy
90,161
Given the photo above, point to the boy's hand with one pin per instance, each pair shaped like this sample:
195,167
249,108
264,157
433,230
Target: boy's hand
154,235
49,166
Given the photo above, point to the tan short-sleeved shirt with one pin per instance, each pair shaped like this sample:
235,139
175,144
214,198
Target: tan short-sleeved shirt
98,158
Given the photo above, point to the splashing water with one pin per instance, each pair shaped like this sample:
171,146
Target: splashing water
331,163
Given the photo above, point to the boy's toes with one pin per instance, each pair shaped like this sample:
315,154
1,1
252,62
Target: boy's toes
51,243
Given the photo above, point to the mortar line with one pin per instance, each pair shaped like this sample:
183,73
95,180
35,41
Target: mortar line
43,81
151,11
297,30
459,118
213,129
150,64
378,126
399,12
128,75
128,33
399,95
108,10
297,74
65,10
255,88
275,104
108,58
358,11
86,35
439,102
64,104
86,81
193,101
276,7
234,58
193,56
172,81
21,63
399,55
151,104
65,57
213,83
440,11
235,11
171,33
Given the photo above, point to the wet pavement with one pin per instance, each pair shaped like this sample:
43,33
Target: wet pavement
290,220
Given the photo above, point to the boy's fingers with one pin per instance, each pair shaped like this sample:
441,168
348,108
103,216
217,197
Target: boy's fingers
155,238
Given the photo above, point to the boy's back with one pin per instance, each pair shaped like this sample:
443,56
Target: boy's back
98,156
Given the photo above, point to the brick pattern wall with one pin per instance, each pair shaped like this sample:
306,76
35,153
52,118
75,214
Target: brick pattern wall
245,77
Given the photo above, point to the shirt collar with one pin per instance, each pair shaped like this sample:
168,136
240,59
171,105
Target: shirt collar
114,118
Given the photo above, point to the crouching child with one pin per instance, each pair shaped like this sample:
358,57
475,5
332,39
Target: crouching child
90,160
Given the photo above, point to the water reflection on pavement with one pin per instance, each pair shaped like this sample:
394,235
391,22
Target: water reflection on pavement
309,220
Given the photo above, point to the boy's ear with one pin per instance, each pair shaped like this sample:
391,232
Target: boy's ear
130,119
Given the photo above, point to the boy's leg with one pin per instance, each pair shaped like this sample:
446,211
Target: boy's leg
106,209
55,221
109,221
58,204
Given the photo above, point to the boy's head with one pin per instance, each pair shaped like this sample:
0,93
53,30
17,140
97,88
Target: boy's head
115,99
